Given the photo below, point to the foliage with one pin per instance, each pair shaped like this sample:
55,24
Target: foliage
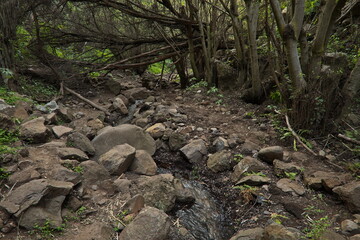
156,68
276,96
255,173
354,168
197,85
47,230
38,89
6,139
277,217
291,175
4,174
11,97
238,157
316,228
78,169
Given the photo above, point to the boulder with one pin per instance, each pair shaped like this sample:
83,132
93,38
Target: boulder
281,168
287,185
135,204
61,173
60,131
23,176
279,232
137,93
63,114
125,133
349,227
149,224
119,105
331,235
80,141
248,164
143,163
158,191
37,201
355,237
95,231
72,153
220,161
35,131
93,172
176,141
269,154
157,130
194,151
328,180
249,234
118,159
350,193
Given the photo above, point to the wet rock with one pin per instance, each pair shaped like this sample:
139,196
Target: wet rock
249,234
248,164
23,176
118,159
194,151
269,154
350,193
143,163
330,235
125,133
253,180
119,105
135,204
176,141
281,168
60,131
80,141
61,173
35,131
93,172
287,185
348,226
95,231
220,161
157,130
316,180
149,224
158,191
137,93
279,232
220,143
37,201
6,122
72,153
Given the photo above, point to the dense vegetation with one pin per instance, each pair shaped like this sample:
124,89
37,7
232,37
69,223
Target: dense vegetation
282,49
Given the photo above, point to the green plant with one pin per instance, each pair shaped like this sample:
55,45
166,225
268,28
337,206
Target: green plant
11,97
255,173
80,211
246,187
4,174
354,168
276,96
219,102
7,138
38,89
316,228
291,175
197,85
47,230
238,157
78,169
212,90
278,217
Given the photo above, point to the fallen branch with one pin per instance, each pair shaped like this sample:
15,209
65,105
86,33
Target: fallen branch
297,136
349,139
87,100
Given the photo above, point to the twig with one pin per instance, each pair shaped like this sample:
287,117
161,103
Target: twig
297,136
87,100
349,139
11,188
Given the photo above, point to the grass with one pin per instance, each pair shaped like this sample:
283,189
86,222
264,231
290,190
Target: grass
12,97
38,89
6,139
4,174
47,231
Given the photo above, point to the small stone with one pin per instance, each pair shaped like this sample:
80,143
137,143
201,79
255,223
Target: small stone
287,185
72,153
269,154
220,161
118,159
194,151
348,226
157,130
143,163
60,131
254,180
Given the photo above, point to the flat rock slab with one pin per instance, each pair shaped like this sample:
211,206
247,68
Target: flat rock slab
287,185
254,180
72,153
328,180
60,131
35,131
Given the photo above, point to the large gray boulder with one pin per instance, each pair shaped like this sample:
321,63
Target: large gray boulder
80,141
35,131
118,159
125,133
37,201
150,224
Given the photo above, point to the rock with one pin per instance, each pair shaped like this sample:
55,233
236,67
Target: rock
4,105
35,131
330,235
249,147
281,168
141,122
23,176
157,130
158,191
123,186
348,226
279,232
194,151
80,141
60,131
137,93
93,172
95,231
37,201
220,161
119,104
61,173
73,203
53,144
149,224
269,154
220,143
249,234
176,141
64,115
143,163
6,122
72,153
125,133
114,85
355,237
118,159
248,164
329,180
254,180
295,208
287,185
135,204
350,193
